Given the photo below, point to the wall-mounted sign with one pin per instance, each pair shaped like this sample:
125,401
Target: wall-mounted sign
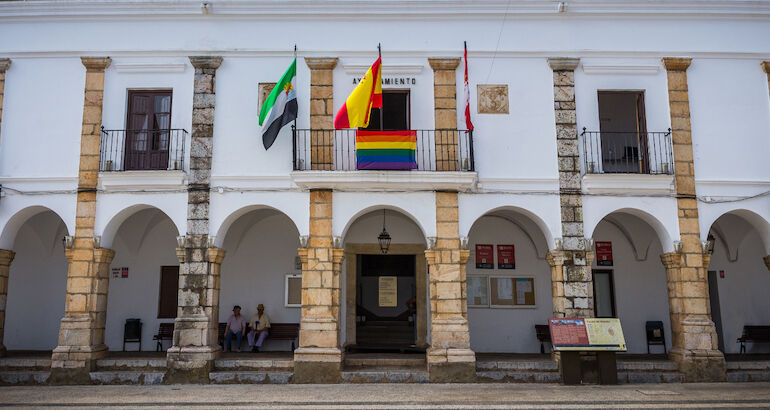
485,257
124,272
506,258
115,273
604,253
592,334
386,81
388,293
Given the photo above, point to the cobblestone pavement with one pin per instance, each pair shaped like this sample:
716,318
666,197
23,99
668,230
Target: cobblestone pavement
392,396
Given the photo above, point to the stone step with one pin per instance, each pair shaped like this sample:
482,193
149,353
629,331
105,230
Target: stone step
127,377
23,377
528,365
28,364
254,364
517,376
386,374
748,376
250,377
384,361
637,377
748,365
646,365
128,364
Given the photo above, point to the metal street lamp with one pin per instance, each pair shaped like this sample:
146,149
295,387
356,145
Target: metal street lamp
384,237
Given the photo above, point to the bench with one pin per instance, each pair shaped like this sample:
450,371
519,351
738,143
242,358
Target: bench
277,331
754,334
543,333
165,332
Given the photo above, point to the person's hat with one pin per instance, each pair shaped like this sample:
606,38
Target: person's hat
260,306
236,307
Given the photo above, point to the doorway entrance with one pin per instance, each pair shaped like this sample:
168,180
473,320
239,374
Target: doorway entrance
623,132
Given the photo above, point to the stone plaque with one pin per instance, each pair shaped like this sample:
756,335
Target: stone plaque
264,91
493,98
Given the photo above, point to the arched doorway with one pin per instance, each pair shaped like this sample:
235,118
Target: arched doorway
508,282
739,279
385,293
629,279
261,267
144,275
37,283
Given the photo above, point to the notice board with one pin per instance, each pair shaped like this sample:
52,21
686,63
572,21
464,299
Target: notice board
591,334
511,291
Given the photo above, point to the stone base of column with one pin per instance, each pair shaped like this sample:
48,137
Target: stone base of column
451,365
75,358
317,365
699,361
190,364
3,351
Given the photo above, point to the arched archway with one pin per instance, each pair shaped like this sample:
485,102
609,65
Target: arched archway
37,283
629,279
385,294
738,278
508,281
260,268
143,282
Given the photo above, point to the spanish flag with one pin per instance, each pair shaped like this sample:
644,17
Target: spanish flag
367,95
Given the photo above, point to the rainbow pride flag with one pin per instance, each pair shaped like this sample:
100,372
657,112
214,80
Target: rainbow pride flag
386,149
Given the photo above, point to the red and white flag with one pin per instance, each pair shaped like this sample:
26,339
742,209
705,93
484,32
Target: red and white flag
467,91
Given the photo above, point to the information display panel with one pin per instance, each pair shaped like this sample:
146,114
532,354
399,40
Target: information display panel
592,334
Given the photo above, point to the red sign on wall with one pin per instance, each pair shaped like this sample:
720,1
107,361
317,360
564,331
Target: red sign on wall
506,257
604,253
485,256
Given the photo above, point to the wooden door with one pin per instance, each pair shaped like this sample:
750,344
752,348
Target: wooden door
148,130
169,285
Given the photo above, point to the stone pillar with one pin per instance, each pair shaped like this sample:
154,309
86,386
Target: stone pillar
191,357
694,338
318,359
321,112
449,356
6,257
81,334
766,68
571,263
767,261
4,64
445,106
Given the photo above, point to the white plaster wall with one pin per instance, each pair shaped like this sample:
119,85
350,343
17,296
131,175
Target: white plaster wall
640,285
227,207
349,206
743,291
509,329
144,242
37,285
115,208
261,247
15,210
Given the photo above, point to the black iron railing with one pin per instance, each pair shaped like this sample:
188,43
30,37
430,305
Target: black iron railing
627,152
138,150
335,150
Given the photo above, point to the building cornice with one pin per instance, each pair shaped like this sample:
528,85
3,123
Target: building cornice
382,8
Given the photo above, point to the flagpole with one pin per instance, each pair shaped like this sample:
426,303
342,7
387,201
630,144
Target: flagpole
382,108
295,63
294,125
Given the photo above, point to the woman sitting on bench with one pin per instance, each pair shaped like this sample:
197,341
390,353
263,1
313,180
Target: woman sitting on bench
259,323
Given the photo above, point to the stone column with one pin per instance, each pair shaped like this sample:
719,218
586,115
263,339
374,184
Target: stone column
4,64
318,359
694,338
449,356
6,257
81,334
445,108
571,263
321,112
191,357
767,261
766,68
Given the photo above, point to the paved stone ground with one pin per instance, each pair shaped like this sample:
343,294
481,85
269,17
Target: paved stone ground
443,396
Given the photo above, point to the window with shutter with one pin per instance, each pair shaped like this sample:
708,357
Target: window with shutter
148,130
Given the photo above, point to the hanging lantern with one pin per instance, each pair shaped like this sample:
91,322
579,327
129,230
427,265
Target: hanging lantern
384,237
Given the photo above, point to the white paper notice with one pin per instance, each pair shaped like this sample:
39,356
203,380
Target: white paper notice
504,288
524,285
521,298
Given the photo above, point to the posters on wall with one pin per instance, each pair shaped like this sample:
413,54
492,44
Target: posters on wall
484,257
603,253
388,296
506,257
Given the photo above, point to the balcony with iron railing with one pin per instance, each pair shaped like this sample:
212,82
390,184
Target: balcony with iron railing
627,152
442,159
142,150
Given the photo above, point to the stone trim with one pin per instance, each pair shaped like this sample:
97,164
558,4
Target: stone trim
4,64
572,280
445,112
206,62
321,112
95,64
694,338
6,257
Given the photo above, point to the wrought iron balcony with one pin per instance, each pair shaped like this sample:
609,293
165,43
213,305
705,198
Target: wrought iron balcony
335,150
627,152
140,150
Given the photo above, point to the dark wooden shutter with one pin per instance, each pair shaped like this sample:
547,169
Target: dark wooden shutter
169,284
147,134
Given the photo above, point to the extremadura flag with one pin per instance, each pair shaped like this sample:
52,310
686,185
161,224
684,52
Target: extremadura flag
280,108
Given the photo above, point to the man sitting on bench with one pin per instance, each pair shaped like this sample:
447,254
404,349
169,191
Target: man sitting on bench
236,325
259,323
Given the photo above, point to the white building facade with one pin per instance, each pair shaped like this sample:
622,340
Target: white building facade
131,160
